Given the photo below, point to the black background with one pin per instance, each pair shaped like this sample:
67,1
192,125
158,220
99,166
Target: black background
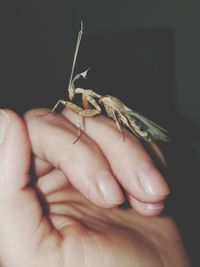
145,52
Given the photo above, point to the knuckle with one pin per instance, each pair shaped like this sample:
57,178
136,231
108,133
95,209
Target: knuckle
35,113
90,146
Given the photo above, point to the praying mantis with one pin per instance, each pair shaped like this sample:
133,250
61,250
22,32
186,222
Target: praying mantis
92,104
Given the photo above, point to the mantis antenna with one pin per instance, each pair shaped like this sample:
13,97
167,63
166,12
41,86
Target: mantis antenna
80,33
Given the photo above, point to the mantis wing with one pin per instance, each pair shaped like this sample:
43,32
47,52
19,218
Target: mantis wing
155,131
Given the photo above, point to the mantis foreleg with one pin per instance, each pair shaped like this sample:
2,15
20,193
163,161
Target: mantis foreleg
79,112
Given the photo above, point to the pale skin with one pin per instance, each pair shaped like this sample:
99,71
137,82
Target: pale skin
68,215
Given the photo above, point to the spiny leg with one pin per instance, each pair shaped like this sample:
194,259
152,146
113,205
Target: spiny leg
78,124
133,127
92,101
74,108
112,114
79,112
85,102
57,104
84,113
118,124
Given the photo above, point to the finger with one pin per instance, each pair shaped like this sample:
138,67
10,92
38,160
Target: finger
51,182
56,188
40,167
20,210
52,138
128,159
147,209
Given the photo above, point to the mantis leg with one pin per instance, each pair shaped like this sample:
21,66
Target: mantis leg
57,104
84,113
116,121
92,101
118,124
79,112
67,104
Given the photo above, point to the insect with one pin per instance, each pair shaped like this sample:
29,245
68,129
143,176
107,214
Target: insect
93,103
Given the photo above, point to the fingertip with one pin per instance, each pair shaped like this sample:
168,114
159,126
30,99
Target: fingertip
109,189
146,183
146,209
36,112
152,182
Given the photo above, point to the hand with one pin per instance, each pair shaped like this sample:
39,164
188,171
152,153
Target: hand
47,222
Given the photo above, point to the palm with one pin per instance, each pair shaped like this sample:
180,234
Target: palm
91,236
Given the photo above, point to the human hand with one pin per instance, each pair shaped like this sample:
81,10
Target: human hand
49,223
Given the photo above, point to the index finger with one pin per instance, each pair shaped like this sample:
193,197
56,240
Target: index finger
129,161
84,164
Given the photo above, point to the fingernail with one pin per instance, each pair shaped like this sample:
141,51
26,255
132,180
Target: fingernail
109,188
150,207
153,182
4,119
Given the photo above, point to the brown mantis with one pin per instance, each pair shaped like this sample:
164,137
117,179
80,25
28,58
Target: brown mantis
93,103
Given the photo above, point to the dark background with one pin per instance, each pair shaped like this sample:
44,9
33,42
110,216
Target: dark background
145,52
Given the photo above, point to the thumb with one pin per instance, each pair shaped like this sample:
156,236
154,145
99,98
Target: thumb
15,153
20,210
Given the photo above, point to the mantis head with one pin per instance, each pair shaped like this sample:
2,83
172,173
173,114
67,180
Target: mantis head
71,88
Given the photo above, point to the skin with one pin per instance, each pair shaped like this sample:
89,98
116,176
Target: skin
67,214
